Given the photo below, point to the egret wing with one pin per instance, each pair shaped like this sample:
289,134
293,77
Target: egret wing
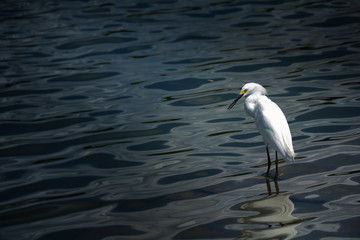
272,124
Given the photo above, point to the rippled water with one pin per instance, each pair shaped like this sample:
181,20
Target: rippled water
114,121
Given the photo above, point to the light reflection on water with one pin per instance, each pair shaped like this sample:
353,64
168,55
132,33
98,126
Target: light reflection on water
114,121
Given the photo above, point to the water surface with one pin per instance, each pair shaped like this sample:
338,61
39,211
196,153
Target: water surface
114,121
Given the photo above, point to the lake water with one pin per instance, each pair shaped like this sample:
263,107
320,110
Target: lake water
114,121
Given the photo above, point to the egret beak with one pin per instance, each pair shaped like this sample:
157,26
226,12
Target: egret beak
235,101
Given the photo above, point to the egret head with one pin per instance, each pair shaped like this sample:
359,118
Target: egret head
247,90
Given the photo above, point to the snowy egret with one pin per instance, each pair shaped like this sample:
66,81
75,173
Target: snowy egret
270,121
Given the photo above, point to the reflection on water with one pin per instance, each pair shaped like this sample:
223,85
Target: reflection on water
276,185
275,212
113,119
269,217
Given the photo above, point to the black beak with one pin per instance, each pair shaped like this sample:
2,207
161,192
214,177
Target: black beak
235,101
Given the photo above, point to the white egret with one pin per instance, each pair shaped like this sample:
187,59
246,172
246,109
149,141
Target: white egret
270,121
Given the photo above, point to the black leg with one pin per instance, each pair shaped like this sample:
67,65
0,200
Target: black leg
276,174
269,161
276,165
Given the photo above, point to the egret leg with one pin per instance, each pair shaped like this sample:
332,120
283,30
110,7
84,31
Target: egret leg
276,173
276,165
269,161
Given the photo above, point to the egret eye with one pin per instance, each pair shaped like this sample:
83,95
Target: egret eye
243,91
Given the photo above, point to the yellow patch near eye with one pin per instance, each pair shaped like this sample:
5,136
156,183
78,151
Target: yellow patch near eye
243,92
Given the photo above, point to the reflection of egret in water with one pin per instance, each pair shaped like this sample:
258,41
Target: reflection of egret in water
273,211
268,185
272,220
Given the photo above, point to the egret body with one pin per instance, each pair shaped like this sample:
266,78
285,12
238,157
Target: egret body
270,121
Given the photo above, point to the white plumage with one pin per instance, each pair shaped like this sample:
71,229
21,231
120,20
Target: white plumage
270,120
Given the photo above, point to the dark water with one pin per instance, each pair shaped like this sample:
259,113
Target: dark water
114,121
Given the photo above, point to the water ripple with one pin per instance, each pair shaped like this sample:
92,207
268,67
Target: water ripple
206,100
23,128
182,84
89,42
114,120
56,146
84,77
